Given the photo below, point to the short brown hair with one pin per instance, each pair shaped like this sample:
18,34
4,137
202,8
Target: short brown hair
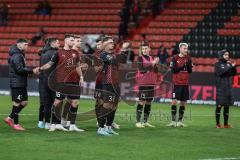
106,38
68,36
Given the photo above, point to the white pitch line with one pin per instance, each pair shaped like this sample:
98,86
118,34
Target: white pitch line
126,114
221,159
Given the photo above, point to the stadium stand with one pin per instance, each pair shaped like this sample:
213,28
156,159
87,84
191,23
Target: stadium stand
207,26
72,16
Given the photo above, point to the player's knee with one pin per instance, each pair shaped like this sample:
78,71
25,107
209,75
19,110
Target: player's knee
24,103
57,102
182,103
100,102
108,105
16,104
148,102
141,102
74,103
174,102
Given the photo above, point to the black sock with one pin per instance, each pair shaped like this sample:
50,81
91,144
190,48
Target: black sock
73,114
97,111
53,114
181,113
16,110
110,117
226,114
12,113
19,110
147,110
47,113
66,110
139,112
56,114
103,117
174,112
41,113
217,114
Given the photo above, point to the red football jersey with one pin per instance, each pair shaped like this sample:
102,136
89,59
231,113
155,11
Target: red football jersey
181,77
67,61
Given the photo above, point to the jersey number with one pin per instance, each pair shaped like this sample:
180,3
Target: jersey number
19,97
111,98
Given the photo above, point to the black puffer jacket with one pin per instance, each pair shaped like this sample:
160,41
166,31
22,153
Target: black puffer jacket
223,80
45,56
18,72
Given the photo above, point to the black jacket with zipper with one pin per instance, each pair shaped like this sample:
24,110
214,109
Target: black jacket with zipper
223,80
18,72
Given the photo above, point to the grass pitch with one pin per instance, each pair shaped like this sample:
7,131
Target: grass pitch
200,140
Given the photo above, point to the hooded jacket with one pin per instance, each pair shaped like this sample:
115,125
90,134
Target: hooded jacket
223,81
18,72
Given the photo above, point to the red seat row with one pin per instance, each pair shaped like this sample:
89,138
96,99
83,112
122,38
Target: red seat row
64,24
179,18
27,35
68,11
186,11
235,19
204,61
229,32
66,17
77,5
192,5
201,68
162,38
154,45
166,31
61,30
19,29
68,1
172,24
231,25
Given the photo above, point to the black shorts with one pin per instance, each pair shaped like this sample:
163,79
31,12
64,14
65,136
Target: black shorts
146,93
69,90
19,94
61,96
98,91
110,93
180,92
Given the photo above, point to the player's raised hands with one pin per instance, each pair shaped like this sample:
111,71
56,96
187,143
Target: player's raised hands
155,61
232,63
125,46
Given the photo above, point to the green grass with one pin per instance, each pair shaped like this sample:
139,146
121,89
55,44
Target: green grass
200,140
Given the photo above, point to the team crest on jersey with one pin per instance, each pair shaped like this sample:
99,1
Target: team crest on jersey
74,55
